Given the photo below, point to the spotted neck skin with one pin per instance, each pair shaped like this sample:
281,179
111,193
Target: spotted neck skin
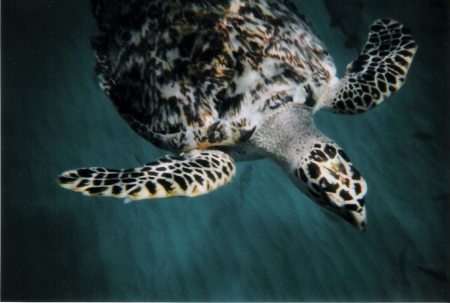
315,164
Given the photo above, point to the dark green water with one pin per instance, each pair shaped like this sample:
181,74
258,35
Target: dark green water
256,239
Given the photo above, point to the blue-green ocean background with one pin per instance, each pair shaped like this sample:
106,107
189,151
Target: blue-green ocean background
256,239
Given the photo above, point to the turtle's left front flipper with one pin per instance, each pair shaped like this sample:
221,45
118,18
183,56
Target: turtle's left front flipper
378,72
190,174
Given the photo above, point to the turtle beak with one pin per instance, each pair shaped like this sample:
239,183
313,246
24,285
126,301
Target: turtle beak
358,220
355,218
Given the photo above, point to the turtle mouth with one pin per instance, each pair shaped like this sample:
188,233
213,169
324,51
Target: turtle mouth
357,218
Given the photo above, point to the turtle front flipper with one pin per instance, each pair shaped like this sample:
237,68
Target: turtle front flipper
378,72
191,174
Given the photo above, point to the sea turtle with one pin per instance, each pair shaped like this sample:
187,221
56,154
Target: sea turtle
217,80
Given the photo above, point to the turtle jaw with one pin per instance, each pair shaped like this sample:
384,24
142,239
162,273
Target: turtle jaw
355,218
358,219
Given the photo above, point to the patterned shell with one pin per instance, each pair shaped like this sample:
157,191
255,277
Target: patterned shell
200,73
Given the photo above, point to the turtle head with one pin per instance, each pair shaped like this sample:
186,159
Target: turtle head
316,165
326,175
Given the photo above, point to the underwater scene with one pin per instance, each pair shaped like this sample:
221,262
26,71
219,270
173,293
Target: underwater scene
258,238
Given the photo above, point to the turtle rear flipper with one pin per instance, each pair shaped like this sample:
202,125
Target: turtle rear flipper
378,72
190,174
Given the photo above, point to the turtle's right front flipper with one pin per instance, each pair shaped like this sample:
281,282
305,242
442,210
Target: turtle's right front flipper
191,174
378,72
